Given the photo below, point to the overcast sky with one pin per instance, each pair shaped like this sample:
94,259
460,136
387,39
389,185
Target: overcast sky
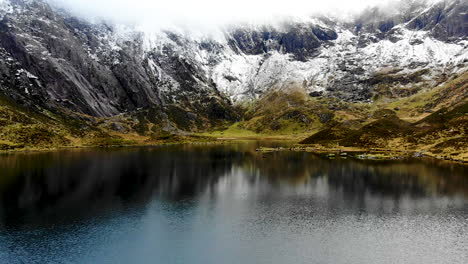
207,13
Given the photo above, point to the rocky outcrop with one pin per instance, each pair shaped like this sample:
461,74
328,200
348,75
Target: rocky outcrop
446,20
299,39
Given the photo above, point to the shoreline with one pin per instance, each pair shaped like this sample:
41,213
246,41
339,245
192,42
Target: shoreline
375,154
64,148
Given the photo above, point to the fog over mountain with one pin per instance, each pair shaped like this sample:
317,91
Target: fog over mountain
208,14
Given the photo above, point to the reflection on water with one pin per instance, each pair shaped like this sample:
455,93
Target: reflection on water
229,204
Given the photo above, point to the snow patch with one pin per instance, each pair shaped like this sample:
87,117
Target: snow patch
28,74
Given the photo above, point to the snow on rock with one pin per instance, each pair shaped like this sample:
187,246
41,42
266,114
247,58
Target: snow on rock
239,62
243,76
5,8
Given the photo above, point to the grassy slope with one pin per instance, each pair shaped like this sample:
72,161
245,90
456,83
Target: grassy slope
290,115
433,120
23,129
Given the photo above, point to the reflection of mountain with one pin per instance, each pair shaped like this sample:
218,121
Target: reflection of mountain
59,185
357,177
79,182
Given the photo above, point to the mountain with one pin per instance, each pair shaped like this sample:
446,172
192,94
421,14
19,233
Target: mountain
172,80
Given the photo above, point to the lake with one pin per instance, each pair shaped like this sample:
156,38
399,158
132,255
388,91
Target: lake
229,204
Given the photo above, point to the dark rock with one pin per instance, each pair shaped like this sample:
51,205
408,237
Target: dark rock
316,94
324,34
117,127
446,20
416,41
325,117
298,39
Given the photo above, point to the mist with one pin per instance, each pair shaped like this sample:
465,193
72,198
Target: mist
206,14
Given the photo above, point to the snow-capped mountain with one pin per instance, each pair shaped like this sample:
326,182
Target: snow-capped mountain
49,58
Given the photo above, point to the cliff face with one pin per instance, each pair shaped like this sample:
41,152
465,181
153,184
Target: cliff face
57,61
50,59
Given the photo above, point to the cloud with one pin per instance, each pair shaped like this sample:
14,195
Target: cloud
206,13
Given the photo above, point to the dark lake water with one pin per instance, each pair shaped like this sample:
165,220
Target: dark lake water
229,204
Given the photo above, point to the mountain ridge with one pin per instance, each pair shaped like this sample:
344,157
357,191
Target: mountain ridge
118,78
248,63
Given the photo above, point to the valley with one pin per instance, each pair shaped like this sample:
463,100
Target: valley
395,81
